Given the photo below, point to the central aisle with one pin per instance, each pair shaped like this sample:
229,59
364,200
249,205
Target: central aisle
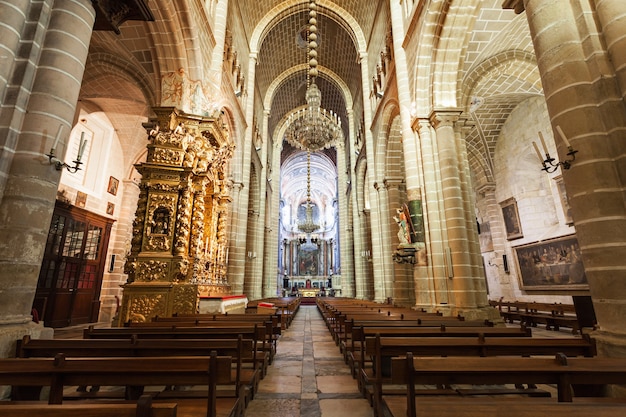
308,377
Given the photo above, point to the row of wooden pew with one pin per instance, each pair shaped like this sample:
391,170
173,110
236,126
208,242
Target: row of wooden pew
402,359
552,315
196,365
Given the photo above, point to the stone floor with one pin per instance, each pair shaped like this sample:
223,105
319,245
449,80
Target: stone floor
308,377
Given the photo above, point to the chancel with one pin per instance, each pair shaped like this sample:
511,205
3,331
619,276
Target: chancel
345,165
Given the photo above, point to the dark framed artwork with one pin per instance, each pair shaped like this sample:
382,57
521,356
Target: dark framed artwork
553,264
511,219
110,208
307,262
81,199
113,184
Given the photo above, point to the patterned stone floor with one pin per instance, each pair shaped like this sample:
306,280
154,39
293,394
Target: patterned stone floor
308,377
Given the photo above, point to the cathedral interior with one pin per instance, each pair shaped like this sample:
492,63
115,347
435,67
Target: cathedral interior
432,154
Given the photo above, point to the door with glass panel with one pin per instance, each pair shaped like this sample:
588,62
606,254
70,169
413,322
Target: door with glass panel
70,279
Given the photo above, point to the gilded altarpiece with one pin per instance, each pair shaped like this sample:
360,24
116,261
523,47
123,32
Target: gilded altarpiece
178,250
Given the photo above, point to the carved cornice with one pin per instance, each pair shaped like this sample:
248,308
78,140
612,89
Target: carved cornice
111,14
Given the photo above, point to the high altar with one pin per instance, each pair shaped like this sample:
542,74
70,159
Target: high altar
178,251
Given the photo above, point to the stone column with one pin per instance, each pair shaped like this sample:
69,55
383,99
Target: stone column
380,278
267,229
31,183
583,96
458,259
612,18
345,199
241,175
402,273
14,18
384,259
463,127
431,281
220,18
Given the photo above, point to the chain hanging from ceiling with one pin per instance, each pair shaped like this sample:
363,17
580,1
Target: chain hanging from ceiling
312,128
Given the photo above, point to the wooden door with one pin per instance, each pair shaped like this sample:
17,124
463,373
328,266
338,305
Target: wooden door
68,290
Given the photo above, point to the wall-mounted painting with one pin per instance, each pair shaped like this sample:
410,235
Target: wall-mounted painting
511,219
81,199
113,184
553,264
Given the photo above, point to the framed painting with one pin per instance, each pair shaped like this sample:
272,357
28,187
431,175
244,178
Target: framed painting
81,199
113,184
110,208
553,264
511,219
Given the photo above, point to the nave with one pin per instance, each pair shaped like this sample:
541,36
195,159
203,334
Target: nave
308,377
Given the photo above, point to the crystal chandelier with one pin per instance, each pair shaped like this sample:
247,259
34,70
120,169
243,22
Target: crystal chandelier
312,128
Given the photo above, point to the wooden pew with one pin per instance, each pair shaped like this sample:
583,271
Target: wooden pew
143,408
358,334
286,307
396,406
133,372
241,350
552,315
381,350
273,328
264,342
565,373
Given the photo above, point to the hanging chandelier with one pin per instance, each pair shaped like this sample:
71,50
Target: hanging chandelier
312,128
308,225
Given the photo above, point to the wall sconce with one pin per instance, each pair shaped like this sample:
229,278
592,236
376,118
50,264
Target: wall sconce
58,164
251,255
367,255
549,164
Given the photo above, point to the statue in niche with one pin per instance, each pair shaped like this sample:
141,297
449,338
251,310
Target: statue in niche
403,232
160,221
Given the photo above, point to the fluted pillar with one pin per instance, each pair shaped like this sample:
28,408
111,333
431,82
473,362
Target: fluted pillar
583,96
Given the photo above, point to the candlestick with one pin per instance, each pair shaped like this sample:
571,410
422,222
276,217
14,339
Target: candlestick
560,131
543,143
57,138
81,146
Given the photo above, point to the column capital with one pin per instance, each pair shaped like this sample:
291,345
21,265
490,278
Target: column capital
390,183
517,5
444,117
253,55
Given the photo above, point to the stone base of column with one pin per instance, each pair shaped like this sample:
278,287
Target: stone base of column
479,313
10,334
612,345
